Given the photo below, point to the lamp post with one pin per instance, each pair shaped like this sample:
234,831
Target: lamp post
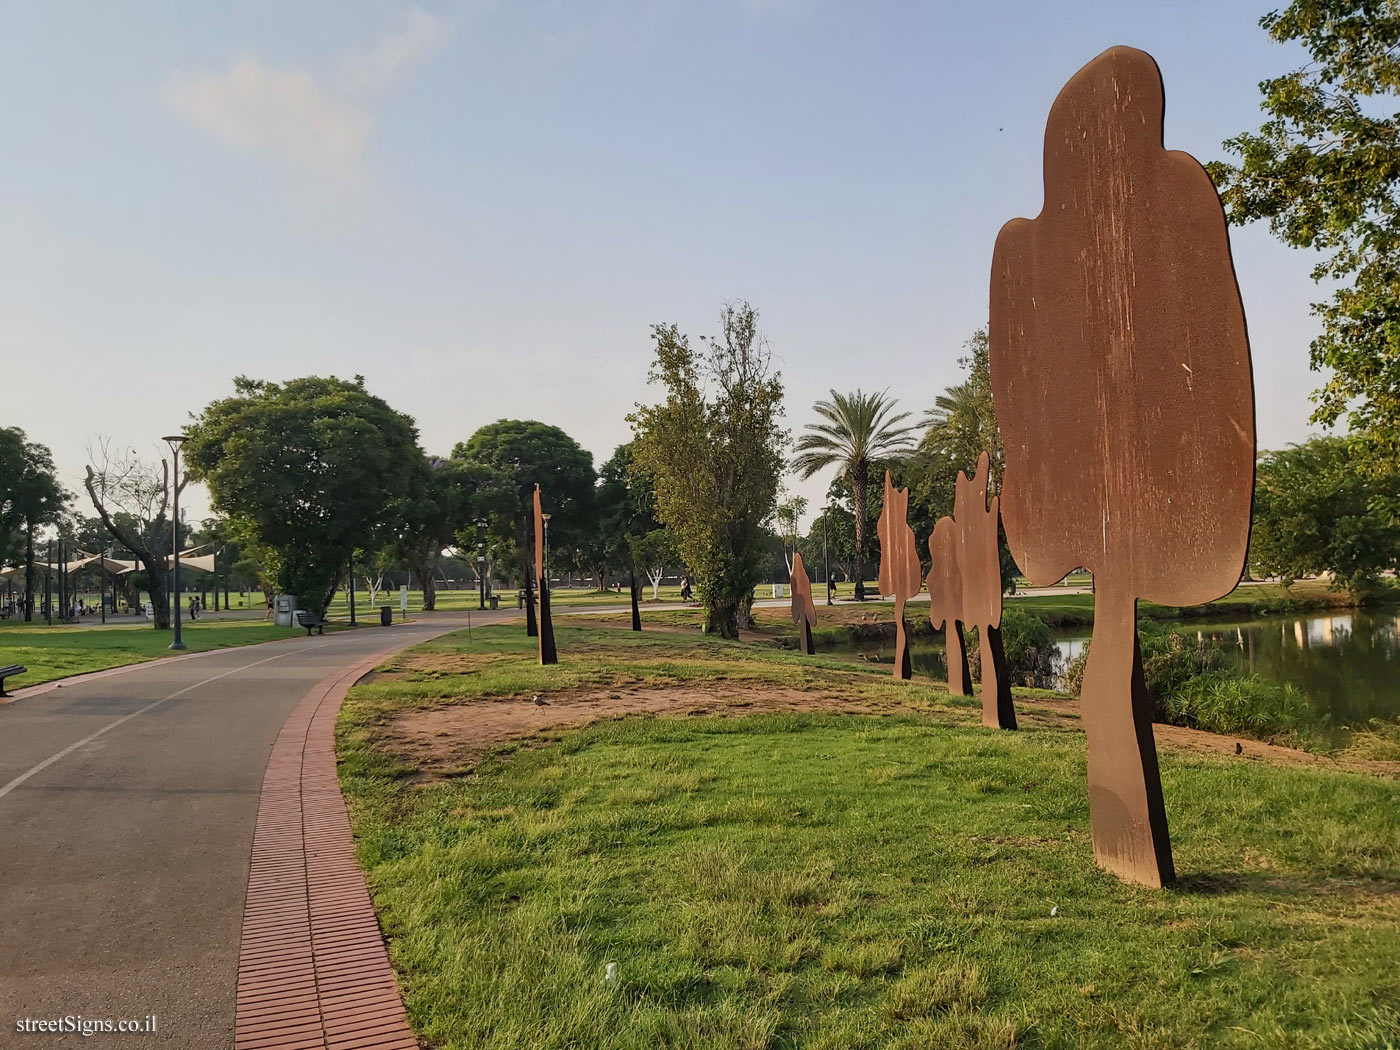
481,561
826,555
175,441
545,519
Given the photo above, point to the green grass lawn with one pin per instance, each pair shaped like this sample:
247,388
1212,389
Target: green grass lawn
849,881
56,652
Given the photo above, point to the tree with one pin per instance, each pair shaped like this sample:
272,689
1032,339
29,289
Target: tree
1316,510
1122,383
30,498
526,453
860,431
444,496
626,517
131,497
790,513
713,451
652,554
1324,170
312,469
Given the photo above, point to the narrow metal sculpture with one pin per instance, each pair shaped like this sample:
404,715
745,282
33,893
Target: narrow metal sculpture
1122,385
900,571
980,565
804,610
548,655
945,601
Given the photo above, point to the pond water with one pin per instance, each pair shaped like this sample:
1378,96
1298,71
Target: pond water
1347,664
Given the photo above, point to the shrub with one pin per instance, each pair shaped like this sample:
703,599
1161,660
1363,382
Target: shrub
1189,683
1030,650
1242,704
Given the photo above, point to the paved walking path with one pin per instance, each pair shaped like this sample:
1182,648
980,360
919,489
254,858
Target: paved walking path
128,802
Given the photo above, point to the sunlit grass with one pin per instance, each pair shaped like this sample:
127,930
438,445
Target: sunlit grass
825,881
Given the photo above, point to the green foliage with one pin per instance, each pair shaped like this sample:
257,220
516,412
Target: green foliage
1317,510
30,494
1190,683
311,469
861,433
713,452
526,453
1029,647
1324,169
1241,704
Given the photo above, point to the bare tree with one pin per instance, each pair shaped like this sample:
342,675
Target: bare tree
132,497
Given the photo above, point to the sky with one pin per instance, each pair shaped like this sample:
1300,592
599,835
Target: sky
482,207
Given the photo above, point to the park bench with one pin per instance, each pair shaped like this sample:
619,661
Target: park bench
9,672
310,620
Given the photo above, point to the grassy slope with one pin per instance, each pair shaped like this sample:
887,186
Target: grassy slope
847,882
55,652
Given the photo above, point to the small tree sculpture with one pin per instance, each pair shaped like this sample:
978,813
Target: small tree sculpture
1122,386
980,565
804,610
945,601
548,654
900,572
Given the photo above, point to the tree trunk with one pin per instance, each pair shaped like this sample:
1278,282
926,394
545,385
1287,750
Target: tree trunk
745,617
429,589
1126,812
721,618
29,572
997,708
636,613
858,497
160,593
656,584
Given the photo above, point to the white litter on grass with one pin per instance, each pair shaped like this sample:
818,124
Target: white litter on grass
610,975
1055,910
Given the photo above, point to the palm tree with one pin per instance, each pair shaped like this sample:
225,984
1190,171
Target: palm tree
859,431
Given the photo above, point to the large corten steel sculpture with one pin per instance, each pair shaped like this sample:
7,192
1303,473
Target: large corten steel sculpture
1122,386
548,654
980,564
900,571
945,603
804,610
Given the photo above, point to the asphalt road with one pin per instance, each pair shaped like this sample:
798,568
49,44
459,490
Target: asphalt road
127,806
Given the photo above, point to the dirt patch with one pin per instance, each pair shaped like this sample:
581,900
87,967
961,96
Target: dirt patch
451,738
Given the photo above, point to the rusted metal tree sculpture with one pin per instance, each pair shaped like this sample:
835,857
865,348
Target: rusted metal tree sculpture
900,572
945,601
548,655
804,610
1122,385
980,563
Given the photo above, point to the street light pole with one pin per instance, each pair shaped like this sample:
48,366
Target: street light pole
545,519
175,441
48,588
826,554
481,562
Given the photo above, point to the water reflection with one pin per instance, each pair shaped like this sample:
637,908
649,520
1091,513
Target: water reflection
1348,664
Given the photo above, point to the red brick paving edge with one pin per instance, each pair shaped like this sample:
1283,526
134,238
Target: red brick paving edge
313,970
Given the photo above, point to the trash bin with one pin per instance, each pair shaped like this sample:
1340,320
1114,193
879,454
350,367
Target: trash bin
495,602
386,615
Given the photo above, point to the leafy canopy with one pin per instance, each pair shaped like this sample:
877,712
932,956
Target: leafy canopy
312,469
1324,170
1316,511
713,450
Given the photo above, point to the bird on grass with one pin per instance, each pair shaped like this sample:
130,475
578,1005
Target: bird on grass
540,701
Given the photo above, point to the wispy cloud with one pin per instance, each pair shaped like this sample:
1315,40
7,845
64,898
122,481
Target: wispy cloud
294,117
373,70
